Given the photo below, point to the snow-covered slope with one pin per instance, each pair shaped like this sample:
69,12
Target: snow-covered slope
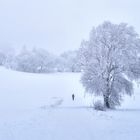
39,107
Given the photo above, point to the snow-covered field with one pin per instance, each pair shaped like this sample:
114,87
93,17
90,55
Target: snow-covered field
39,107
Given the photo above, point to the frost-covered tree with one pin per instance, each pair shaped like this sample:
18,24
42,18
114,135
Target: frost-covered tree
69,61
2,58
35,61
110,62
6,54
9,58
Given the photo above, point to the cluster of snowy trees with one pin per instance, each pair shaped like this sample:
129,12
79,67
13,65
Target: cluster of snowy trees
40,61
110,61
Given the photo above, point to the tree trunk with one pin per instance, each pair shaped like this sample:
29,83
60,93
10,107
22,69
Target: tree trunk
107,93
106,101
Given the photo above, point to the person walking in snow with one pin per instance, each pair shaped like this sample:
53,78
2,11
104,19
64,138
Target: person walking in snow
73,96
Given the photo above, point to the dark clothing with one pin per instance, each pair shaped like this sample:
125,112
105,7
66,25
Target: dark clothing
73,96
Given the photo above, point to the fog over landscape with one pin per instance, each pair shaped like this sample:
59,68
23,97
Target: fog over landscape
69,70
59,26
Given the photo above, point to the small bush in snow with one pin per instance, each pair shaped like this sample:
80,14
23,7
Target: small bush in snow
98,105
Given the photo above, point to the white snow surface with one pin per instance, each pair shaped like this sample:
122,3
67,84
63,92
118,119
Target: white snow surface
40,107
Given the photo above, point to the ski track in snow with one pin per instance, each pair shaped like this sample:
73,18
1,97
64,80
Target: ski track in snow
39,107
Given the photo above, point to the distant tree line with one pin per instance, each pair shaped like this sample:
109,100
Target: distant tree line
39,60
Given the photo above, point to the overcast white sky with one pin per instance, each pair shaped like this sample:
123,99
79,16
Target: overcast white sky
60,25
